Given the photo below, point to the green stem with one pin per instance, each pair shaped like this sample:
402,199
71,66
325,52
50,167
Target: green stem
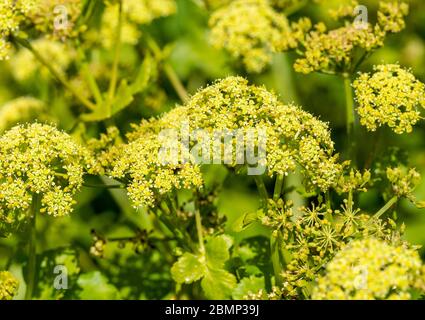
262,189
169,71
199,229
349,103
91,81
176,83
117,54
32,247
56,74
182,238
385,208
350,118
275,255
278,187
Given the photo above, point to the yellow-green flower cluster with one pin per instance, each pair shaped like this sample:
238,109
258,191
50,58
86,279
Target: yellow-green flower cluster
105,151
8,285
353,181
12,13
23,65
390,96
404,181
22,109
38,160
250,30
135,12
332,51
371,269
391,16
337,50
313,237
293,135
148,175
56,18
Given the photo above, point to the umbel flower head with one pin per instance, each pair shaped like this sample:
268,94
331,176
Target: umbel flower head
250,30
56,18
38,159
12,13
8,285
135,12
313,237
337,50
148,176
390,96
371,269
293,135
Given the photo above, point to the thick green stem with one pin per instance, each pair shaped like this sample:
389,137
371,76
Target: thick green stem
117,54
199,229
262,189
349,103
278,187
385,208
32,247
275,255
56,74
176,83
350,118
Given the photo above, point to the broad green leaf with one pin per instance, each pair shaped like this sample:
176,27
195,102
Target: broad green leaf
218,284
188,268
95,286
217,250
247,286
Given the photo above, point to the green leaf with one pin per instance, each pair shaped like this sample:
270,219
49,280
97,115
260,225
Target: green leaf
247,286
218,284
188,268
123,98
217,250
125,93
145,74
244,221
95,286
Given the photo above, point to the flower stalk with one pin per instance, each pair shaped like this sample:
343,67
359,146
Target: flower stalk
32,247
